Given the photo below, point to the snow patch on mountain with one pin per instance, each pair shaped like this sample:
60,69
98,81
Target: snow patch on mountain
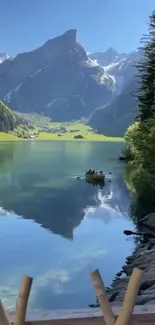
102,77
4,56
119,67
108,74
7,97
113,65
49,105
92,63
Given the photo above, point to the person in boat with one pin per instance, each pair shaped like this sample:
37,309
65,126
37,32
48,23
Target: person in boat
88,172
92,172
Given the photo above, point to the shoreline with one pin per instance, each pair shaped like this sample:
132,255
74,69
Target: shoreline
65,140
51,137
143,257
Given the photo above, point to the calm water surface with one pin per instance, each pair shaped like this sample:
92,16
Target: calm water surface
56,228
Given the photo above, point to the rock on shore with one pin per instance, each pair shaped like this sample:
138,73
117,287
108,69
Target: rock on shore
144,259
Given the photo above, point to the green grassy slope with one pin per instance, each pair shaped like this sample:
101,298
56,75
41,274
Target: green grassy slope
45,129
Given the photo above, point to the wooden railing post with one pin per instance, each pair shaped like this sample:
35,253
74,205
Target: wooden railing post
22,301
102,297
3,316
130,297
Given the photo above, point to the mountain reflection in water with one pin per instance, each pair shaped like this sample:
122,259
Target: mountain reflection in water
61,210
56,228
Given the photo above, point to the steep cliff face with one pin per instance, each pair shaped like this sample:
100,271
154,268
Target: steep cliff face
58,79
114,119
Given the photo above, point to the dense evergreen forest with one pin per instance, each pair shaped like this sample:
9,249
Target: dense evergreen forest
8,120
140,136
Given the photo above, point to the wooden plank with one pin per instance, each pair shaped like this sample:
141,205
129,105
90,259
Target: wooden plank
135,320
102,297
3,316
22,300
130,297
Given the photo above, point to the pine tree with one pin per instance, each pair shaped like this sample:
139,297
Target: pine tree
146,77
8,121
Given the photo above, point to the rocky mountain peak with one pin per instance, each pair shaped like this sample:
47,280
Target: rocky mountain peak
70,35
57,78
67,39
112,51
105,58
65,44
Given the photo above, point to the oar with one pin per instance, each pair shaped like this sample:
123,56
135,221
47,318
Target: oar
129,232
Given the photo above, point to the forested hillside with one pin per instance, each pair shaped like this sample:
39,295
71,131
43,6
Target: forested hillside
8,121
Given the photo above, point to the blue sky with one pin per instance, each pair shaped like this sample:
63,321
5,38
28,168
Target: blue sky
27,24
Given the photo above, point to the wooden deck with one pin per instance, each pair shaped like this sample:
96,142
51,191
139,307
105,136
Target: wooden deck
149,320
127,314
141,315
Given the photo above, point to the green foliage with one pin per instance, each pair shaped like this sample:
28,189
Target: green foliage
141,143
22,131
25,128
130,136
33,120
146,67
8,121
140,136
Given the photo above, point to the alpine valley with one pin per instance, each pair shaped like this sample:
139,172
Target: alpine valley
61,81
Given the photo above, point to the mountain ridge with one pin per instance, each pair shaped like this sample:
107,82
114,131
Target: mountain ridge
58,79
121,66
114,119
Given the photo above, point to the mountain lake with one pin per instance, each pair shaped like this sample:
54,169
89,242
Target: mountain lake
56,228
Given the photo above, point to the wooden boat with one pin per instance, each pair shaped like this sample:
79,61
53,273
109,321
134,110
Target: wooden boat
95,177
